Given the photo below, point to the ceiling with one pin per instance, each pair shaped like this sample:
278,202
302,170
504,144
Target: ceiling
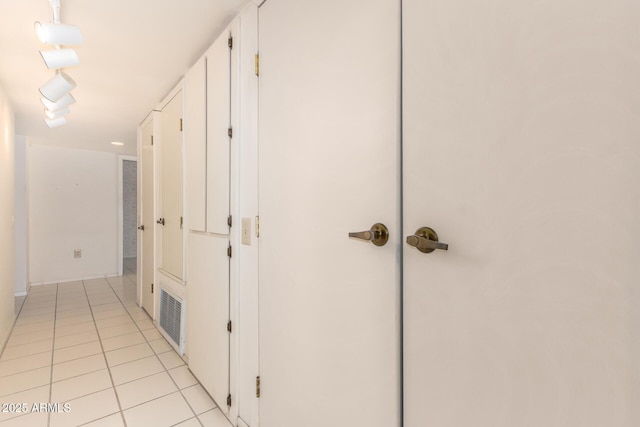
134,52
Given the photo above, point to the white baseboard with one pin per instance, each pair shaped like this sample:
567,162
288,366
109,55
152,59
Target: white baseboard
21,294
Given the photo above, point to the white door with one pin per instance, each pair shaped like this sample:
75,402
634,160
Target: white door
208,314
148,220
521,151
172,231
328,156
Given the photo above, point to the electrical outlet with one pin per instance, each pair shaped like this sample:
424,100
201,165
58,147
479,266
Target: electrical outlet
77,253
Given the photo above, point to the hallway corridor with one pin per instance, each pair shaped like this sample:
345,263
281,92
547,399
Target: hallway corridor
88,345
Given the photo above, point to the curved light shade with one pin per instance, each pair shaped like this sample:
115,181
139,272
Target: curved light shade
54,123
65,101
60,34
60,85
57,114
59,58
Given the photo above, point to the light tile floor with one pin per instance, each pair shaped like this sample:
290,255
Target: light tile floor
88,345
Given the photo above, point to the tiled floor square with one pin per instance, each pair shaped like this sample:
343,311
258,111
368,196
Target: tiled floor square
135,370
163,412
18,351
128,354
26,363
75,339
170,359
214,418
114,331
160,346
77,352
87,408
182,377
79,386
77,367
25,381
198,399
143,390
122,341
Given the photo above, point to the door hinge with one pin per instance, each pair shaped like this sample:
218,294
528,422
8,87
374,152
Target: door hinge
258,386
229,326
257,226
160,221
230,132
181,222
230,221
151,139
257,64
180,125
229,252
229,400
152,288
230,42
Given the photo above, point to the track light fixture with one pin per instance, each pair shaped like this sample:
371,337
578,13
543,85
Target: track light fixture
60,34
60,85
65,101
55,93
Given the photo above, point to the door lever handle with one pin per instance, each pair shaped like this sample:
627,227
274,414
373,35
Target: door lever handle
426,240
378,234
160,221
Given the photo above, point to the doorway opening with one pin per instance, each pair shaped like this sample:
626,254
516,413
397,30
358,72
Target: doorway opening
128,234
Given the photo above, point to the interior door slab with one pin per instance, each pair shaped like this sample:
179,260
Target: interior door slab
521,151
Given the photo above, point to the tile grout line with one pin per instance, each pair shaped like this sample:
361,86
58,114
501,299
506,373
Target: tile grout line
104,355
53,350
154,352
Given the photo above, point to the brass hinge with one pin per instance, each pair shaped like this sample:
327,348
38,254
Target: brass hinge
180,125
229,400
230,42
229,328
230,221
230,132
258,386
151,139
181,222
257,64
257,226
152,288
229,252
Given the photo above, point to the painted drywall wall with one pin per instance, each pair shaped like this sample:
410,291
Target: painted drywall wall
73,204
7,239
129,210
21,215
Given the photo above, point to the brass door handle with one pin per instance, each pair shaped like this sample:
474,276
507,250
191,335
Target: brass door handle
378,234
426,240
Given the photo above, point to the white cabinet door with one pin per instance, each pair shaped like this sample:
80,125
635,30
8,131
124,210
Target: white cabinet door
195,144
208,314
147,197
328,157
172,246
521,151
218,124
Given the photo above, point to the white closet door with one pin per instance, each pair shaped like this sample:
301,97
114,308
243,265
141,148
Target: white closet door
172,247
208,314
328,151
521,151
148,220
218,140
195,144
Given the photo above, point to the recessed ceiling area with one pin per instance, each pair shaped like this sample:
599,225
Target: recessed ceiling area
133,54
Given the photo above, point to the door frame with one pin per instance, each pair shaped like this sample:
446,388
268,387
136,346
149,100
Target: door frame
121,159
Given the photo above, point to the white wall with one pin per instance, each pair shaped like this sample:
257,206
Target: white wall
21,278
73,204
7,242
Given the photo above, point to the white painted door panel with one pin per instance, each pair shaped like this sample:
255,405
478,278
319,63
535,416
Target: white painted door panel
218,123
328,150
172,234
195,143
521,151
148,219
208,314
